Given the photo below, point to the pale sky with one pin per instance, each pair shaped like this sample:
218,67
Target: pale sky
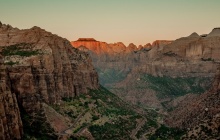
127,21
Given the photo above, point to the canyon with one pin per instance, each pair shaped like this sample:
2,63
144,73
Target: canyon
51,88
187,64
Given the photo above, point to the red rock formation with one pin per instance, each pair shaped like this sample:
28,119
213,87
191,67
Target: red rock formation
102,47
140,47
148,45
91,44
131,47
160,43
118,47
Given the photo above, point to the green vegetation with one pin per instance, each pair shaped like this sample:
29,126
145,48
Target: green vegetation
208,59
166,133
170,53
11,63
104,115
101,112
117,130
110,76
36,127
19,49
174,87
77,138
150,124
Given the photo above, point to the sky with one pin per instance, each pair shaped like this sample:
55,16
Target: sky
128,21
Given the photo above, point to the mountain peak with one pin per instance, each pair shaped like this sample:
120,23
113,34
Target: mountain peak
194,34
35,27
5,26
132,45
215,32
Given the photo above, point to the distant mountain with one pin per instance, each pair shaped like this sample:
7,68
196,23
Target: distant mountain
136,73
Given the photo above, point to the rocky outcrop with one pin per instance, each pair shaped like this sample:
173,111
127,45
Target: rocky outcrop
131,47
10,120
43,68
214,32
194,34
91,44
161,43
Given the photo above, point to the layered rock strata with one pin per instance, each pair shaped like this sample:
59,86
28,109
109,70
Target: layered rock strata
10,120
120,68
42,68
182,57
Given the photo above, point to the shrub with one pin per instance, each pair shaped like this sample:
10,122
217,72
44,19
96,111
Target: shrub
18,49
11,63
207,59
170,53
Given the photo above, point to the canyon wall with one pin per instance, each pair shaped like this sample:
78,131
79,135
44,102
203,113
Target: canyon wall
199,115
10,121
123,70
42,68
182,57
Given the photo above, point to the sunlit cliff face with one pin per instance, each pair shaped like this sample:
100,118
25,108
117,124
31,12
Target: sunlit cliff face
103,47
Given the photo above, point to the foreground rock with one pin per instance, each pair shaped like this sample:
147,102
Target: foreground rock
42,69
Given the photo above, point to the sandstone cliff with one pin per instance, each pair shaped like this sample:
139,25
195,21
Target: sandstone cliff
43,68
179,58
10,121
182,57
117,55
188,58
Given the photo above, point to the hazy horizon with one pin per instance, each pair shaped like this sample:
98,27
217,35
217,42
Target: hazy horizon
127,21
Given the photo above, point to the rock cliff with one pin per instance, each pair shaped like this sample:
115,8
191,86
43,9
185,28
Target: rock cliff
10,120
182,57
189,58
117,55
43,68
